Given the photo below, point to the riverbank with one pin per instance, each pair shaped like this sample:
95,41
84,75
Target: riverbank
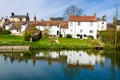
46,43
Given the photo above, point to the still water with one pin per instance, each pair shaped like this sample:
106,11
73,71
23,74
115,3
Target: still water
60,65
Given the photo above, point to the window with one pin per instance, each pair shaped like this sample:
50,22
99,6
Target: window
78,23
71,24
57,32
102,22
71,30
91,23
81,30
85,35
91,31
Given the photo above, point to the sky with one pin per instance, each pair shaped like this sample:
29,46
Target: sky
43,9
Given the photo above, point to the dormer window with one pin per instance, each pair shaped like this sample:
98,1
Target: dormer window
78,23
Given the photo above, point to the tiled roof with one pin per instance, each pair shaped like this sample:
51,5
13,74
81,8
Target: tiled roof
50,23
62,24
82,18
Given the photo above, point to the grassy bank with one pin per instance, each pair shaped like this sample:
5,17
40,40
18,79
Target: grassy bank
64,43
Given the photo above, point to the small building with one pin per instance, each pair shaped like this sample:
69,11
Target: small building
53,27
16,28
14,17
102,24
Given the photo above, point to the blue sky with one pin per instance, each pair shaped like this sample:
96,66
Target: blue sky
43,9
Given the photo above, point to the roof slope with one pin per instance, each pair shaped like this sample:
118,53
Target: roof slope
82,18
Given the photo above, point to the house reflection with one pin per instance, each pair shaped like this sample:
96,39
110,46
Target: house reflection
74,59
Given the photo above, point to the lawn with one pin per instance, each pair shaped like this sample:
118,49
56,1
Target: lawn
64,43
8,38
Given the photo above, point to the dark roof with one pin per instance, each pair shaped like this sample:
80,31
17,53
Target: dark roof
18,16
118,22
82,18
57,19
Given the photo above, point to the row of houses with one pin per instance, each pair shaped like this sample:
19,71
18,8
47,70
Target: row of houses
77,26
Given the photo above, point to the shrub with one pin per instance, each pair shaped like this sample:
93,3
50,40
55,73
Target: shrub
6,32
78,35
90,37
27,36
69,36
61,35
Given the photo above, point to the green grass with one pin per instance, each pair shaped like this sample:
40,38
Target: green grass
46,43
72,41
7,38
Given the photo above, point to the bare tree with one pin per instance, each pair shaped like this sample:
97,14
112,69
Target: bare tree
72,10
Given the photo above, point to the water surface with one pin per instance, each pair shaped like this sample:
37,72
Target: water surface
60,65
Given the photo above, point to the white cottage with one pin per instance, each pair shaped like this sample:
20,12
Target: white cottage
102,24
13,27
8,25
24,26
82,26
52,26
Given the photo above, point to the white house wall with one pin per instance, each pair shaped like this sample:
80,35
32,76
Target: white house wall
41,28
83,29
15,31
7,27
63,32
24,27
102,25
52,29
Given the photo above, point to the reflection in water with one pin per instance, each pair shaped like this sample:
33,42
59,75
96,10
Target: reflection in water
73,58
62,65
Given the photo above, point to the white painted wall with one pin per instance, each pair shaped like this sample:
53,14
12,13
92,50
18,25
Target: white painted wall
63,32
14,31
52,29
23,27
7,27
102,25
41,28
83,29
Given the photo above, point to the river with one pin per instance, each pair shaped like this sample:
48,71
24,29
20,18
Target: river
60,65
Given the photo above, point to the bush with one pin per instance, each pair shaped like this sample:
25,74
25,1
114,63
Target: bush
90,37
26,36
6,32
61,35
78,35
69,36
